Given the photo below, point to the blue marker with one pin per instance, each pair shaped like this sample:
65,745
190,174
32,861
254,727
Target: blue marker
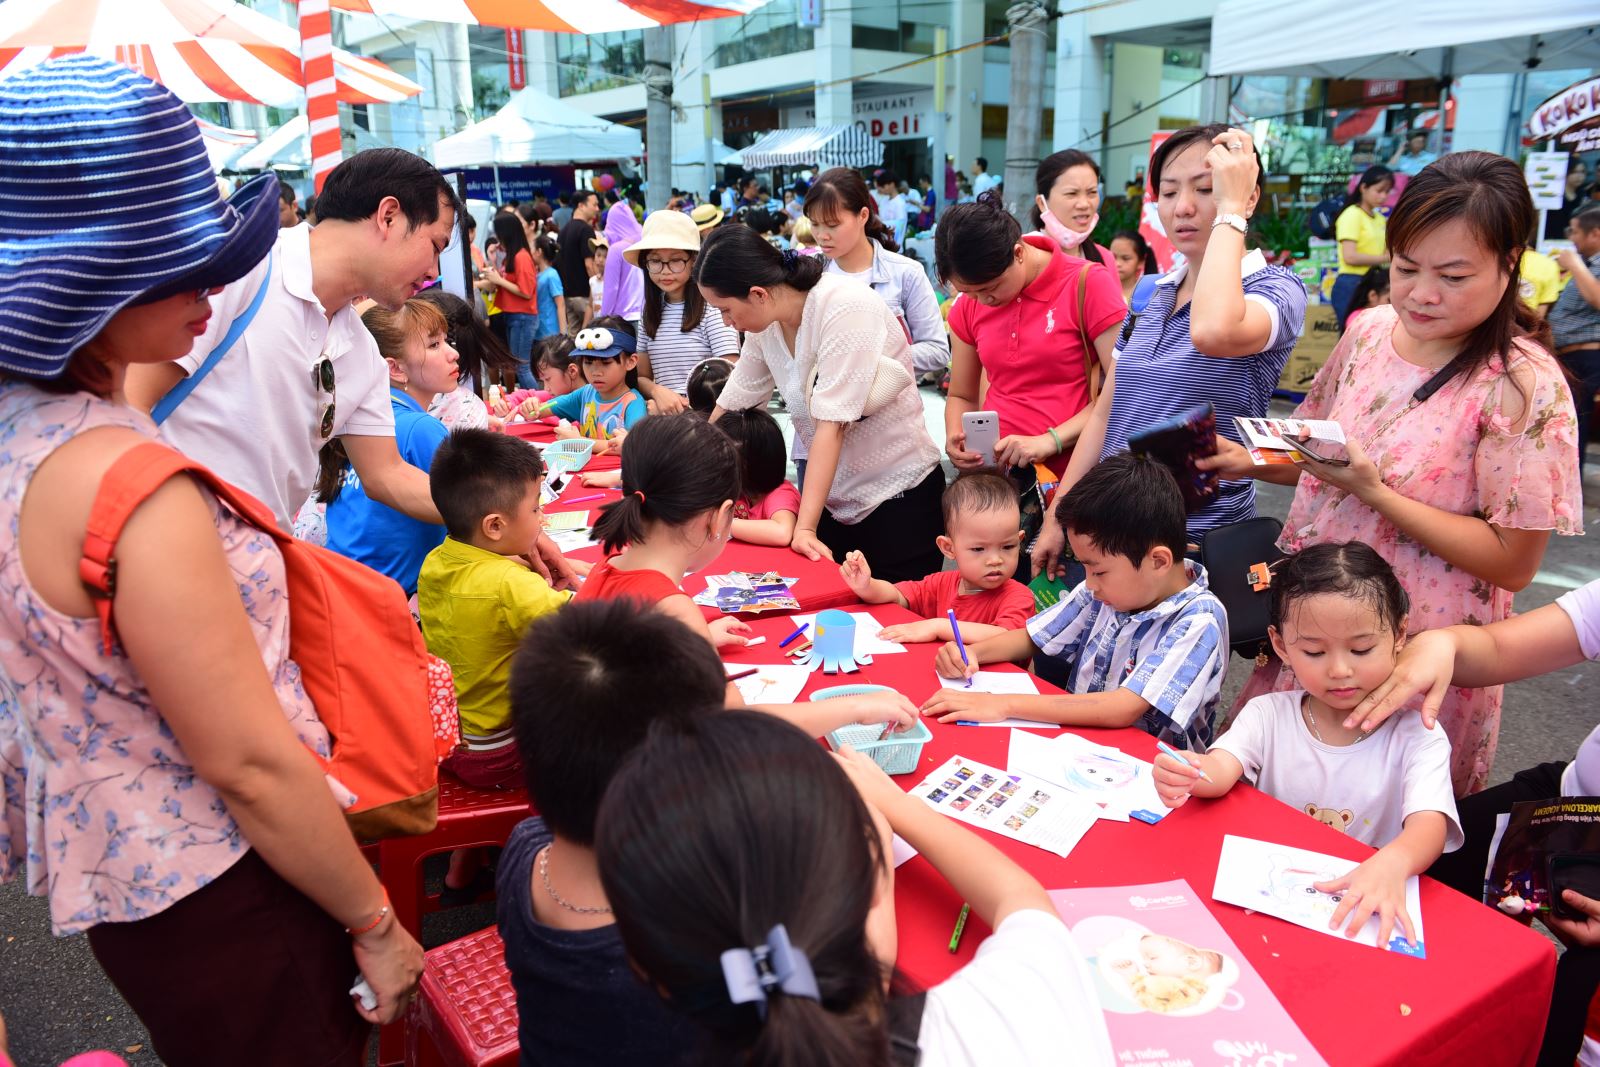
955,628
1181,758
787,641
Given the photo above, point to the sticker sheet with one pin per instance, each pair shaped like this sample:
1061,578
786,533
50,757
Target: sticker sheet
1019,806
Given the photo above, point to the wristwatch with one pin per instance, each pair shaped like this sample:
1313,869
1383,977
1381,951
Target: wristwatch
1238,222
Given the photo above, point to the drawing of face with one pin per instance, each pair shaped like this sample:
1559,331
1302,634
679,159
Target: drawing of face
1101,772
1295,887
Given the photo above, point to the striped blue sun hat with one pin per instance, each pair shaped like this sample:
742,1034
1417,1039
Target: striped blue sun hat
107,199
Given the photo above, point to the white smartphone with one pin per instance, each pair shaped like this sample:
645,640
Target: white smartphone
983,431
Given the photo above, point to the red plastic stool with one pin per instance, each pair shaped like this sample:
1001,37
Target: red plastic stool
468,818
465,1011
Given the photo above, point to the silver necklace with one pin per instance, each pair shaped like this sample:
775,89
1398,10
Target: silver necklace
1311,721
544,876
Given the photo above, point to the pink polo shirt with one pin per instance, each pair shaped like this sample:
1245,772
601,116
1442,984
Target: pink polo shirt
1032,348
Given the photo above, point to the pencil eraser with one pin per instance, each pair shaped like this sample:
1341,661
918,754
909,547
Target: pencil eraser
754,641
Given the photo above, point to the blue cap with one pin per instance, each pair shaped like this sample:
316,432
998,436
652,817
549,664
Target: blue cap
107,199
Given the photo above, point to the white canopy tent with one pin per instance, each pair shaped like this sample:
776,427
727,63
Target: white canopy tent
289,148
1421,38
535,127
822,146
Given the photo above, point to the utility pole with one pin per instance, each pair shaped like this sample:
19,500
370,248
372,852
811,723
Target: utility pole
658,116
1025,110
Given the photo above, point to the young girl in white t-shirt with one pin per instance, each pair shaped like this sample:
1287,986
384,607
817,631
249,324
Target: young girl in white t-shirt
770,920
1339,620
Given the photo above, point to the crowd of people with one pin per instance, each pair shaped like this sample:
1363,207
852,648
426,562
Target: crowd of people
164,766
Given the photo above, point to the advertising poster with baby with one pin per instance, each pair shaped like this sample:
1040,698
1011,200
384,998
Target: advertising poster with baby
1175,989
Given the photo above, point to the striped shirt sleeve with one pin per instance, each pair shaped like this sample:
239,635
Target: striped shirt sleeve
1065,625
1179,676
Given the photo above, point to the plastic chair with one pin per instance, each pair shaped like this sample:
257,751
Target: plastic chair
468,818
465,1011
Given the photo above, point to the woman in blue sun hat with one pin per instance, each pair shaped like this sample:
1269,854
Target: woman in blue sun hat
161,794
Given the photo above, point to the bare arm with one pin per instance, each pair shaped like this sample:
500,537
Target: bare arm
1588,285
777,531
963,397
1222,322
561,315
826,445
389,479
1113,710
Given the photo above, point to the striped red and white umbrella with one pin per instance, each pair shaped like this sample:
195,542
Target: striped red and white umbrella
562,16
224,143
203,50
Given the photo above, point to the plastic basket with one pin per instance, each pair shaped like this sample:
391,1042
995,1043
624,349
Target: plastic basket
896,754
567,455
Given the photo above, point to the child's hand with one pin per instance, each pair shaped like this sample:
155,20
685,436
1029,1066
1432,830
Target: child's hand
875,787
949,663
726,630
499,408
497,425
565,431
874,709
856,574
601,479
1175,780
1377,887
949,705
912,632
529,408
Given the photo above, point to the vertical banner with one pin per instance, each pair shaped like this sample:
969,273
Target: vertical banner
322,100
516,61
810,14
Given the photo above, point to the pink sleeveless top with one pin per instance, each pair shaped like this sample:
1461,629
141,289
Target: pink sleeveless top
97,800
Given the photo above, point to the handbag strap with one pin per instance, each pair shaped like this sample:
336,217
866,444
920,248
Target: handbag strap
1090,361
128,483
180,392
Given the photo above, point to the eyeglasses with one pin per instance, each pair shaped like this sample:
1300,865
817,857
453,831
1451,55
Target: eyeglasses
666,266
322,379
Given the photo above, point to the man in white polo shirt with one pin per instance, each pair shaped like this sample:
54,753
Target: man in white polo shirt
304,369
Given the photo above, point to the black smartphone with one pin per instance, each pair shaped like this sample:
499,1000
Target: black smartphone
1323,450
1578,871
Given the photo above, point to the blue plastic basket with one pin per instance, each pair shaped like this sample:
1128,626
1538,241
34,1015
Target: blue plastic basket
896,754
567,455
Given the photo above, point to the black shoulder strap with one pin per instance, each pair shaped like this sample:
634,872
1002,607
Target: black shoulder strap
905,1024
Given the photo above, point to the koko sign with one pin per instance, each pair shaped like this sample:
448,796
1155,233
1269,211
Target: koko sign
1571,117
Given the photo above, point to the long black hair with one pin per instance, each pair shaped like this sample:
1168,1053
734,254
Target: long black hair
508,230
694,304
976,242
677,467
470,336
842,191
735,259
763,459
765,830
1052,167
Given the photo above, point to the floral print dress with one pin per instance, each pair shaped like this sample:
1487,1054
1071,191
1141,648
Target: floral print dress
97,799
1474,448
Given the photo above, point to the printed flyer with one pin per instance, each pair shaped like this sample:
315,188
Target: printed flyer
1175,990
1019,806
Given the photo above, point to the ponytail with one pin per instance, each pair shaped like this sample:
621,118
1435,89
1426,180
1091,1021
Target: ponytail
976,242
678,466
842,191
331,463
735,259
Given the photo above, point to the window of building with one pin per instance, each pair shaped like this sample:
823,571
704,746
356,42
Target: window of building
587,63
772,30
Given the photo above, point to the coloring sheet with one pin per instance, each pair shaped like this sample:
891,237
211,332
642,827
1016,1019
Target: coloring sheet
566,520
1278,880
1015,805
1119,785
1017,683
867,641
572,540
773,683
1175,989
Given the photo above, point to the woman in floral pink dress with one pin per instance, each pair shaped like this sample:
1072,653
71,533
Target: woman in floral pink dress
1458,488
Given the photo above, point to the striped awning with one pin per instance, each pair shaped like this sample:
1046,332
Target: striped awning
203,50
820,146
561,16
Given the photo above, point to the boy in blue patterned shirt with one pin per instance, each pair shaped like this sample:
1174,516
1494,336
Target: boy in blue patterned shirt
1146,641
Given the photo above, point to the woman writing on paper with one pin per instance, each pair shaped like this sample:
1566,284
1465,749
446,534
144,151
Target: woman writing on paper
1459,424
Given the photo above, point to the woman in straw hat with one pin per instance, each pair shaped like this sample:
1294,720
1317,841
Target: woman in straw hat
161,794
679,330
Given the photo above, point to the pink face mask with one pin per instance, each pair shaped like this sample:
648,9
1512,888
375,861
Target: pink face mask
1067,239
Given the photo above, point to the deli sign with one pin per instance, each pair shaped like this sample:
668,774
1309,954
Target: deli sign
1571,117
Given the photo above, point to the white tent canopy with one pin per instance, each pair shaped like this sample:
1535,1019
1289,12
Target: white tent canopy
288,148
721,155
1420,38
822,146
535,127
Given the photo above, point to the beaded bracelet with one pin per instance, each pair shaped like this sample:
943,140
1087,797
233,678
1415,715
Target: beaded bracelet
1056,438
383,913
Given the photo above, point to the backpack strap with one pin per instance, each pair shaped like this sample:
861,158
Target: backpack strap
178,393
128,483
905,1026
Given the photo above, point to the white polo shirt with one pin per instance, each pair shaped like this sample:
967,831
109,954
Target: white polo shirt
256,418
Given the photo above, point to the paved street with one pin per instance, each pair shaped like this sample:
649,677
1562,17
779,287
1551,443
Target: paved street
56,1003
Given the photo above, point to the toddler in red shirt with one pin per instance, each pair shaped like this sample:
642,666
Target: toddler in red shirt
983,535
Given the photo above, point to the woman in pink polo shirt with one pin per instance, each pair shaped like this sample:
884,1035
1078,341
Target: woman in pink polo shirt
1038,322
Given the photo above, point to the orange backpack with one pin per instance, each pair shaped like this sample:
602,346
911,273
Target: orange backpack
361,657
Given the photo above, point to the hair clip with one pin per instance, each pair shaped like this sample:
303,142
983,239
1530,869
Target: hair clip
1260,577
791,259
753,974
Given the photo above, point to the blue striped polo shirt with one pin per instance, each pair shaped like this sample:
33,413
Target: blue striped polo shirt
1160,374
1173,655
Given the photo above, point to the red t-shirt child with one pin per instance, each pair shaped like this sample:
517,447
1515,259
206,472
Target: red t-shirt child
606,582
1010,605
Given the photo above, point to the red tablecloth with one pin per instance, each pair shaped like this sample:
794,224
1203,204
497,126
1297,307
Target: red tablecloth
1481,996
817,585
